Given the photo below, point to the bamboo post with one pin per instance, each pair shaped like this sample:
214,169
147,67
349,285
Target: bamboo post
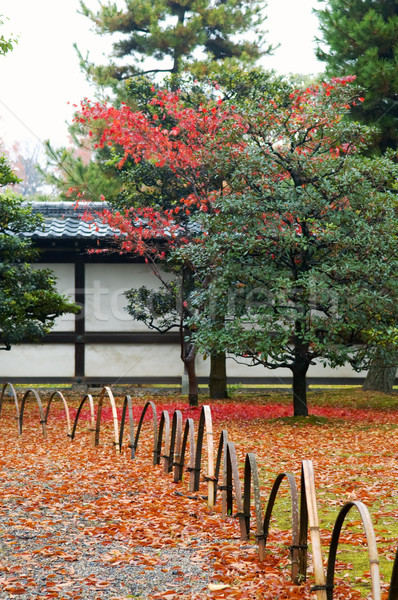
210,456
164,426
233,476
251,474
222,454
175,444
308,483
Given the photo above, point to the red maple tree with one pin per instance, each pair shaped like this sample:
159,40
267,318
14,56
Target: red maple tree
277,171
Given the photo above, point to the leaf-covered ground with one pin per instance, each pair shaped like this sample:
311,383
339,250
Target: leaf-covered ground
83,522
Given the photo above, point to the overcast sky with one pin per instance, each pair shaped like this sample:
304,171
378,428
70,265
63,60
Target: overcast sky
41,75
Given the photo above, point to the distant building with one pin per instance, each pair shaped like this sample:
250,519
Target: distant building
103,344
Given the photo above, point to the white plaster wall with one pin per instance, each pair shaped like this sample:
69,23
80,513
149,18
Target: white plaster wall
235,369
105,301
318,370
65,284
142,360
123,360
26,360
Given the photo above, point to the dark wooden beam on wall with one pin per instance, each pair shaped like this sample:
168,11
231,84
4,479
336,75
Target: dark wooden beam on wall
112,337
80,298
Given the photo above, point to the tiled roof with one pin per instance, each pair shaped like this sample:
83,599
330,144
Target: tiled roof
62,220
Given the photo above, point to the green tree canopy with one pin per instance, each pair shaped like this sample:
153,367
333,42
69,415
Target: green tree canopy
29,302
360,38
6,44
298,254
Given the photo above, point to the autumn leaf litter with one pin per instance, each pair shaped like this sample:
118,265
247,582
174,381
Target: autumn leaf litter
84,523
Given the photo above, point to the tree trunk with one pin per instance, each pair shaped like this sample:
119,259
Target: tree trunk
189,362
187,348
218,376
300,390
299,369
381,374
177,54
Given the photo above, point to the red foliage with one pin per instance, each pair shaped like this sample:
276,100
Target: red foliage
197,144
245,412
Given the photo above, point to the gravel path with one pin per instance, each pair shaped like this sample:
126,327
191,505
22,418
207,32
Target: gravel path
86,524
72,564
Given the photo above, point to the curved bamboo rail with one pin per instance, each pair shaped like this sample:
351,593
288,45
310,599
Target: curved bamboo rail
371,543
205,425
294,548
304,518
36,396
148,405
106,391
226,498
164,426
127,405
233,482
7,384
61,396
393,591
92,415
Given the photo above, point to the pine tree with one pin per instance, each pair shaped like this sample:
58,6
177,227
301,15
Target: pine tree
360,37
79,169
171,33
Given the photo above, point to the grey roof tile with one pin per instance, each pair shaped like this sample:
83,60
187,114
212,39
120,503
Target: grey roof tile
63,220
72,228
